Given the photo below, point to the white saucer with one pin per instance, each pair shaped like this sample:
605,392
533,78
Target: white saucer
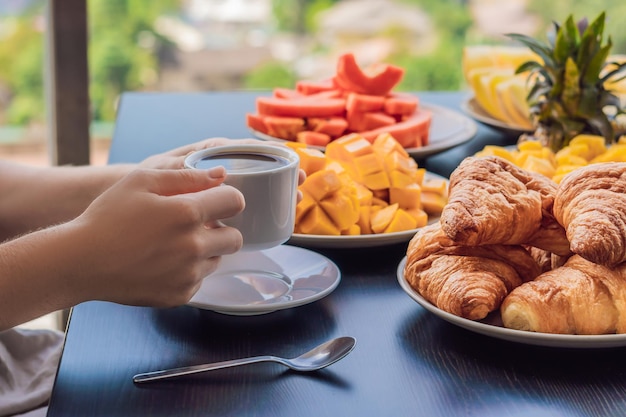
251,283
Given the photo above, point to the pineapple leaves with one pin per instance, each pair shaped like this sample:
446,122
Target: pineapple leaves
567,38
611,100
616,68
569,86
590,43
595,64
571,89
528,66
552,34
541,49
588,103
536,92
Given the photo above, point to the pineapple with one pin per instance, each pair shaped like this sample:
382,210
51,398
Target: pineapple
567,93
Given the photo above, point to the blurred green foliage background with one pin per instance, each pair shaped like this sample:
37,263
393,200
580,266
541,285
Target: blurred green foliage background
120,59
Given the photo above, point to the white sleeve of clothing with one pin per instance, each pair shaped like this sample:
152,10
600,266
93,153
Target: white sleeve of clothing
28,364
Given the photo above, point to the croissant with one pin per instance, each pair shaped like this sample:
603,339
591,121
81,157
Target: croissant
467,281
492,201
546,260
580,297
590,203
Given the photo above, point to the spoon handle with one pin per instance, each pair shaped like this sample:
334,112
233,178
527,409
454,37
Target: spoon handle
188,370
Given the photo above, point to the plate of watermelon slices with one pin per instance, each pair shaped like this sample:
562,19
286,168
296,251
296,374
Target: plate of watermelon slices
360,101
447,129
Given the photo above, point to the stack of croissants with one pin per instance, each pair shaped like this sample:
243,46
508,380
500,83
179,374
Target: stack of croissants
551,258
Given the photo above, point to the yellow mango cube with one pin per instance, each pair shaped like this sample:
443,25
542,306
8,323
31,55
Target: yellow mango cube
348,147
341,210
595,144
382,218
565,169
395,161
353,230
321,184
576,150
539,165
420,175
311,160
492,150
386,144
400,222
367,164
304,205
336,166
363,194
433,203
521,157
376,181
420,216
435,185
365,216
529,145
376,201
408,197
562,170
567,158
316,222
616,153
345,173
400,179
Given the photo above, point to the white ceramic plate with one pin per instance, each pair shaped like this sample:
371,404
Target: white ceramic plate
492,326
251,283
358,241
347,242
474,110
447,130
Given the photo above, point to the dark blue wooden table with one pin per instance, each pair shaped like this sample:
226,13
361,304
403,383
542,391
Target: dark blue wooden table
407,362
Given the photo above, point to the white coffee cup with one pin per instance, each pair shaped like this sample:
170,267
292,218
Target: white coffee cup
267,176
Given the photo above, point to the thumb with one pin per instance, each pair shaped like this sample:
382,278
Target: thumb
183,181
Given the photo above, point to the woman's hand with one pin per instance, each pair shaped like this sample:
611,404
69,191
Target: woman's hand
155,235
175,158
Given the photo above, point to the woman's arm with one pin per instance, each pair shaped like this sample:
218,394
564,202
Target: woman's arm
141,235
36,197
149,239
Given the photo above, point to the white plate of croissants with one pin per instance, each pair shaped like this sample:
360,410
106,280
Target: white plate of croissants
518,257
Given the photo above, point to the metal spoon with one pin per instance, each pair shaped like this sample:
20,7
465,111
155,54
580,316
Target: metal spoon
317,358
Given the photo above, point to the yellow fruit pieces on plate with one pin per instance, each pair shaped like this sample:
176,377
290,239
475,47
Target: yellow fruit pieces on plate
358,191
581,151
499,92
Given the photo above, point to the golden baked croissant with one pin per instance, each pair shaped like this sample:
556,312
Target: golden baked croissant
546,260
468,281
580,297
590,203
492,201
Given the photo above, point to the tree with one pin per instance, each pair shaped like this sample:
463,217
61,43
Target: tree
21,68
117,60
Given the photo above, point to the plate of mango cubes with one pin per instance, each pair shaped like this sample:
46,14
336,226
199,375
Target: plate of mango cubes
361,193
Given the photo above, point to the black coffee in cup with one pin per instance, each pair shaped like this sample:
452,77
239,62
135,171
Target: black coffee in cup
242,163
